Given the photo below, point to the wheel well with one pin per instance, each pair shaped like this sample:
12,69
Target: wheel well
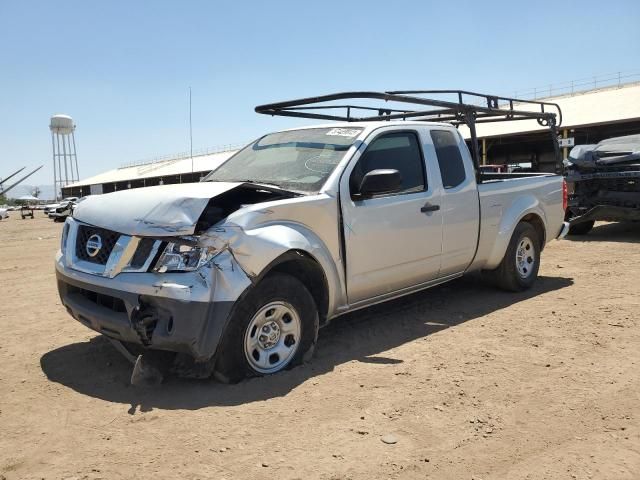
308,271
538,224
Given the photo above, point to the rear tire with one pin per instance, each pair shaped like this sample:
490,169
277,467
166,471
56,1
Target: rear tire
581,228
275,327
519,267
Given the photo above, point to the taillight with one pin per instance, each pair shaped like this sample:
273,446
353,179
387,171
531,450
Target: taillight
565,195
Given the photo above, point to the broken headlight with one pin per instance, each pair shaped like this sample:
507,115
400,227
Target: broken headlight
178,257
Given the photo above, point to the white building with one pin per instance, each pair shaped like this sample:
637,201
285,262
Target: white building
177,169
587,117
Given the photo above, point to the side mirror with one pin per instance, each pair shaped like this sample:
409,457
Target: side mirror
381,181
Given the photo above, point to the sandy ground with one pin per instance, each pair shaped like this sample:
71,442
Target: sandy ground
471,382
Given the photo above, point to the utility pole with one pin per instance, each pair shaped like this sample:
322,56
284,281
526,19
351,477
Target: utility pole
190,132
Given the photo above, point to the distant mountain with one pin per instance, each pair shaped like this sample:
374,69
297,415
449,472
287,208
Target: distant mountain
46,191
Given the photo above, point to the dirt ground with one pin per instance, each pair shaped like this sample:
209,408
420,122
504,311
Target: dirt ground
471,383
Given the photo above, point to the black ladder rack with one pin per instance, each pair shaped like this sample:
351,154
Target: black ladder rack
423,107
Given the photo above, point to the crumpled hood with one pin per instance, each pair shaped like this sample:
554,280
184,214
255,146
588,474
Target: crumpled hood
160,211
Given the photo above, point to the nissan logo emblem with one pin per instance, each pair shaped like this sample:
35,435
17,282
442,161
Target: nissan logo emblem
94,244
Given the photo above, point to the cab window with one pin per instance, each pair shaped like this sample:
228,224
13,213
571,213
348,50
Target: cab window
449,158
397,150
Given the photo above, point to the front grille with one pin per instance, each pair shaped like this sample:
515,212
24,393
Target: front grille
107,237
142,253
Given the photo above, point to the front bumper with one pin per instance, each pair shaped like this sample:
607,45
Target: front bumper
177,312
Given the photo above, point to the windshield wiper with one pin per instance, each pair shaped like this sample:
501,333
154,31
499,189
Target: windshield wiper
264,184
259,184
271,185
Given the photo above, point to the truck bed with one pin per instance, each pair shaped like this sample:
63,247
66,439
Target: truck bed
504,199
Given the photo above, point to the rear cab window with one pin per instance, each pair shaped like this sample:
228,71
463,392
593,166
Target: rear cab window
398,151
449,158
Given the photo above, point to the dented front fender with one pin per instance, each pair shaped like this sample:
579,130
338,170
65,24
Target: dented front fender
256,249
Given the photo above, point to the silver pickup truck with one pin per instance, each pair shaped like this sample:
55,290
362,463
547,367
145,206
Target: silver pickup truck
237,273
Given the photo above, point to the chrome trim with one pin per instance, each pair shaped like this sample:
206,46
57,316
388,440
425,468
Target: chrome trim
118,262
180,286
564,230
93,245
121,255
147,264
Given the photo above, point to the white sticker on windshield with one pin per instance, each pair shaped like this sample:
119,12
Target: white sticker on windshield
343,132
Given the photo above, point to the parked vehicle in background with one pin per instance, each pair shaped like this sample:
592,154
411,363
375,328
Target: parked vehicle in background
47,208
53,206
235,274
63,210
604,180
4,213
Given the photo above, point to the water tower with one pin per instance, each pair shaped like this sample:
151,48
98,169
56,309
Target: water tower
65,161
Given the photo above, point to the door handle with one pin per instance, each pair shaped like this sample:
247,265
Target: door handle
429,208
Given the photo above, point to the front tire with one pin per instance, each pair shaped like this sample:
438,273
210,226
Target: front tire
273,328
519,267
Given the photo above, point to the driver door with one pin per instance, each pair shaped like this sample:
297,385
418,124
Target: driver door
393,241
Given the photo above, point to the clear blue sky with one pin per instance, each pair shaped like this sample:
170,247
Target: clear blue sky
122,69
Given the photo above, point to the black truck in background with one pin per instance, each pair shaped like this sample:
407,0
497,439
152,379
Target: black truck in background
606,183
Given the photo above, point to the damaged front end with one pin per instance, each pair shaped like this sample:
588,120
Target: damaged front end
163,279
179,311
172,210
